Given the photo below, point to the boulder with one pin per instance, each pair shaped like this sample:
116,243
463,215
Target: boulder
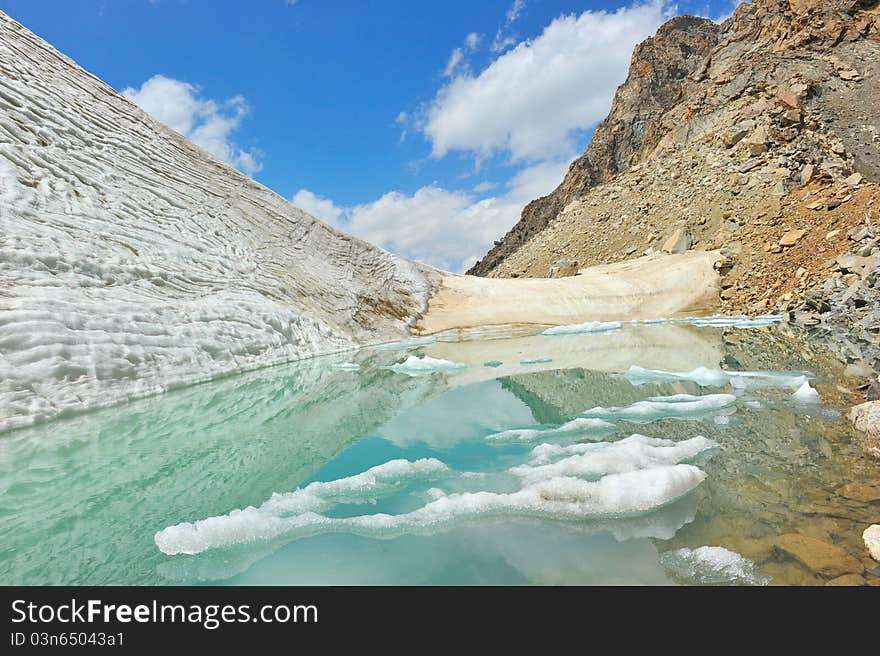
678,242
866,418
563,269
792,237
757,143
737,133
854,263
871,536
808,174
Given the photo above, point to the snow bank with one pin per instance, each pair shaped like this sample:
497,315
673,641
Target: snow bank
133,262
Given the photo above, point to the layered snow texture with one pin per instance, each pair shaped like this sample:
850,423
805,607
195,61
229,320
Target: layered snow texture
712,566
132,261
630,478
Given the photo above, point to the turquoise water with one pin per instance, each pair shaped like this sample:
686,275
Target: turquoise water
83,498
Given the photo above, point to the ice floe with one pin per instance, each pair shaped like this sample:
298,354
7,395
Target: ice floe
593,461
578,426
805,394
582,328
629,494
536,360
676,406
712,566
706,377
419,366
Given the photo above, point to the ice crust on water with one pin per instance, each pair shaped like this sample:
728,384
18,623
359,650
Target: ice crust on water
577,426
718,377
536,360
721,321
297,514
593,461
420,366
712,566
805,394
665,407
582,328
346,366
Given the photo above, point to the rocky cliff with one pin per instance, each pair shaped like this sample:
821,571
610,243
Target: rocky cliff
780,79
759,137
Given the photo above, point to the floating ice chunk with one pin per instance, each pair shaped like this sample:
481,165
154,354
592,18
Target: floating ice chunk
712,566
536,361
805,394
416,366
578,426
493,363
345,366
758,379
719,377
701,376
665,407
581,328
367,486
631,494
740,321
596,460
435,493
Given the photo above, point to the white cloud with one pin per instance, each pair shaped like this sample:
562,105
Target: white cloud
503,38
532,100
203,121
459,55
448,229
317,206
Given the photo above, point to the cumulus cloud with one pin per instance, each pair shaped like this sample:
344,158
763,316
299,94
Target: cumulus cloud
532,100
203,121
317,206
445,228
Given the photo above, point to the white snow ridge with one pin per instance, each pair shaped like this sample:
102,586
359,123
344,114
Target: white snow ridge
132,261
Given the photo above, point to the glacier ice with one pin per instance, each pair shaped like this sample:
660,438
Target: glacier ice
677,406
577,426
133,262
634,453
582,328
420,366
297,515
712,566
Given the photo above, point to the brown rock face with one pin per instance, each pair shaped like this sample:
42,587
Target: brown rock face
713,126
659,67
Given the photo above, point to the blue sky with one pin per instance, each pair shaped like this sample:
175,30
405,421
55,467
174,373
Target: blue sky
423,127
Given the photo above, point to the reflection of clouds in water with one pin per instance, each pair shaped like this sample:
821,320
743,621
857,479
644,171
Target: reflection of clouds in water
458,415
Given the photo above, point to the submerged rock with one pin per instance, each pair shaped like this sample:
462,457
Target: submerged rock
821,557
